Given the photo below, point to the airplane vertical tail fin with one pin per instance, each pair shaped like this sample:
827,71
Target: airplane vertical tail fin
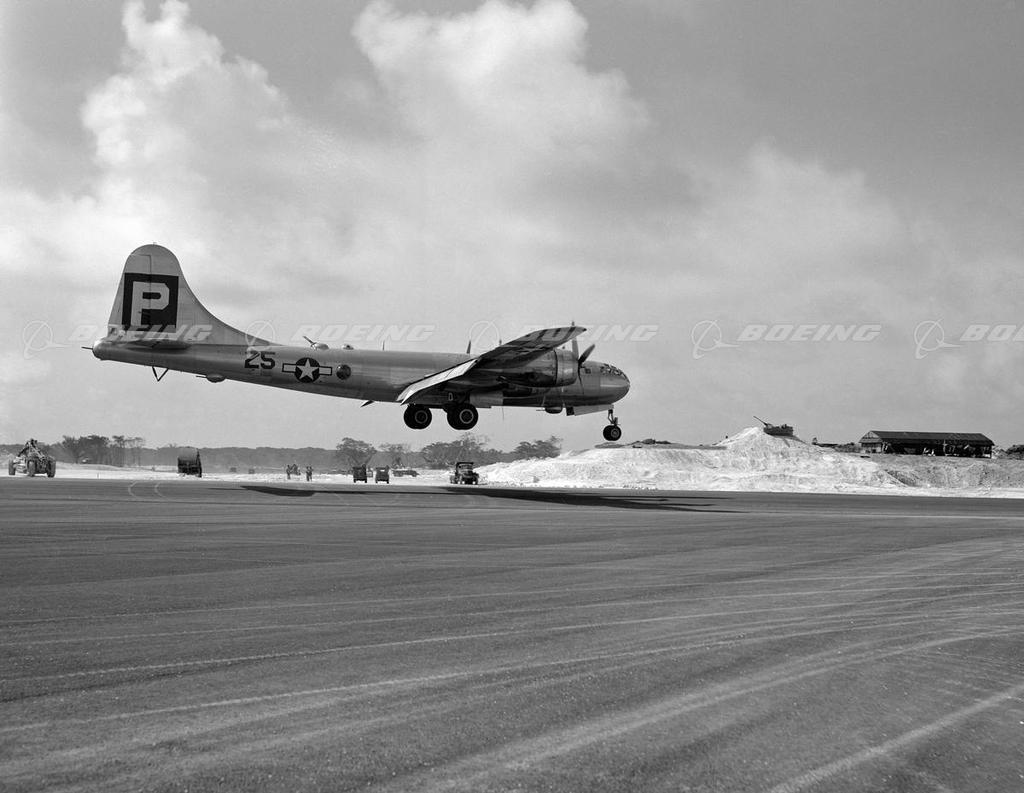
155,304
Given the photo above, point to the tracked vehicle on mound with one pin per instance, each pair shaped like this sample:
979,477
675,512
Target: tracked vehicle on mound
778,430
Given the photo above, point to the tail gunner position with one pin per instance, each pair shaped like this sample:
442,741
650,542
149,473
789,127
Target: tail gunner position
156,321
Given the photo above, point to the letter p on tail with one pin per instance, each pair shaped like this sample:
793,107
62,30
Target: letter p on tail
154,302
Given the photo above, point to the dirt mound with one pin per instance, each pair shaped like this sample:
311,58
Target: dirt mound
749,460
953,472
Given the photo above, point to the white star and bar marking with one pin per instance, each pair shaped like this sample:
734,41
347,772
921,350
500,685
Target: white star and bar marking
306,370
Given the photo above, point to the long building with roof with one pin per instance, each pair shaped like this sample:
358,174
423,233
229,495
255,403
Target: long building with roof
955,444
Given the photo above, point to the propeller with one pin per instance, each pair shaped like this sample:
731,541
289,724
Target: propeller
580,359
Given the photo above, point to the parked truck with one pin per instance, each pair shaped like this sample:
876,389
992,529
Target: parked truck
190,464
463,474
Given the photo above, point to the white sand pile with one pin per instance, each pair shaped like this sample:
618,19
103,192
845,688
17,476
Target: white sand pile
750,460
953,472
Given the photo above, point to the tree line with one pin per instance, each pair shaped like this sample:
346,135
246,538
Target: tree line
131,451
441,454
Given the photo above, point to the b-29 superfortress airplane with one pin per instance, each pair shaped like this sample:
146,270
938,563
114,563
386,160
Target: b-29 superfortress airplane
157,321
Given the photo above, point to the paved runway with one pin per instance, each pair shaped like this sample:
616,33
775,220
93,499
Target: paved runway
216,636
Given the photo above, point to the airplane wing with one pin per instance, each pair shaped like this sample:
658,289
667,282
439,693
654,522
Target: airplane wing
512,353
435,379
528,347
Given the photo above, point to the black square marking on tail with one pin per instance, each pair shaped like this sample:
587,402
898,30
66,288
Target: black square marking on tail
150,302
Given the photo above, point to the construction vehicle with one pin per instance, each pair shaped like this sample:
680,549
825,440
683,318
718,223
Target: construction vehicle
32,460
463,474
358,473
778,430
382,475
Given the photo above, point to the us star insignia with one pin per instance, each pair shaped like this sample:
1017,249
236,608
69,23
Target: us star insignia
306,370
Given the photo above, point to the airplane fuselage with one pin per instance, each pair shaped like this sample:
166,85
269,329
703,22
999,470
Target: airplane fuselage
370,375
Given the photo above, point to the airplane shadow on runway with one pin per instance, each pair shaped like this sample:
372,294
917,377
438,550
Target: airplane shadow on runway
655,501
270,490
658,501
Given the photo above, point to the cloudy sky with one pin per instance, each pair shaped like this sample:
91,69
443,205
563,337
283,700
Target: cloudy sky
809,211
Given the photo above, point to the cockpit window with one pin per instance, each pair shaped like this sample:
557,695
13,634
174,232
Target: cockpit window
614,371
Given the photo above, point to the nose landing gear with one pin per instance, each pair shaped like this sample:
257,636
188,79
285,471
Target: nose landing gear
613,431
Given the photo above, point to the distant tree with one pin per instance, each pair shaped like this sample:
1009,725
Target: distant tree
552,447
95,448
468,447
353,452
395,452
74,447
120,443
168,454
135,445
99,447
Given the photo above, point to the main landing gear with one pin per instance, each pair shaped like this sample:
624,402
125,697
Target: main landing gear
613,431
460,417
417,417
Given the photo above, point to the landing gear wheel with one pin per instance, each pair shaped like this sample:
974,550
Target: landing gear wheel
417,417
613,431
30,467
463,417
51,468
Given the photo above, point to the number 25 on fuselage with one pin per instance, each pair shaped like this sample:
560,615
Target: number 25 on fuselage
157,321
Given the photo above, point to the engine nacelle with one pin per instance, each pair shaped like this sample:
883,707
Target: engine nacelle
551,370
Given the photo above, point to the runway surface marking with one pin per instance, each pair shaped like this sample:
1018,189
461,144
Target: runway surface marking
1011,588
493,634
465,774
825,772
679,581
783,675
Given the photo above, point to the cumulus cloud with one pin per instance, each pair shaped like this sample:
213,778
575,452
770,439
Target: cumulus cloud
783,213
191,148
206,148
795,225
483,115
497,116
507,81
